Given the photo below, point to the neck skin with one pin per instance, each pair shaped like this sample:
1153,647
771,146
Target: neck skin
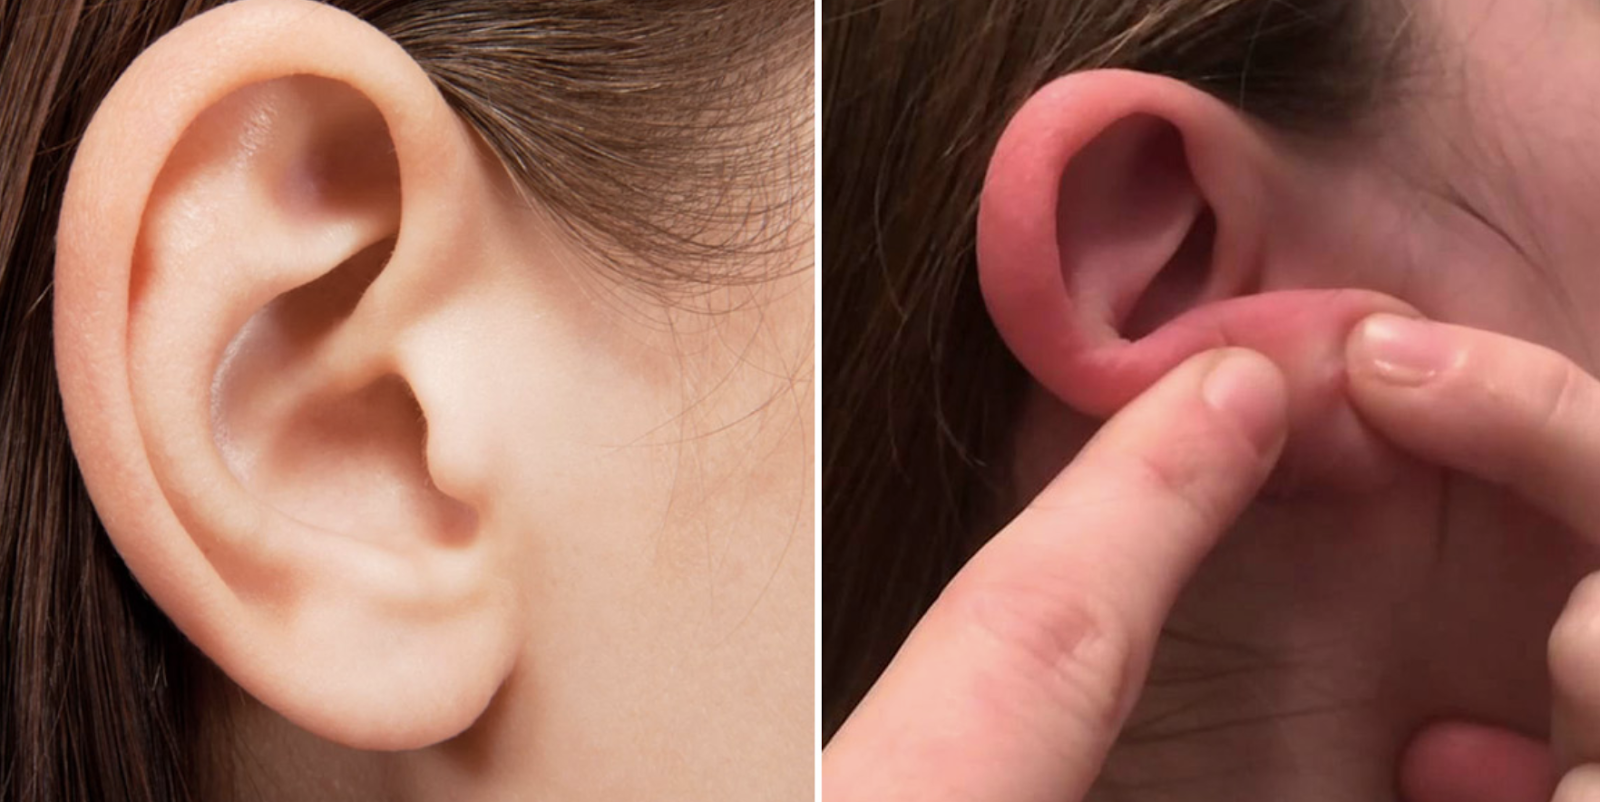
692,681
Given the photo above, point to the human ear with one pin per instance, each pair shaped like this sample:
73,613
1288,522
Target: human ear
1126,224
264,213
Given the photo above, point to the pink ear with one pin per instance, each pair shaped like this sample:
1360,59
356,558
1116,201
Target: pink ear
1123,229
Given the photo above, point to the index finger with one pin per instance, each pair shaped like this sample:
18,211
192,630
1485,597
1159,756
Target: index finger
1485,404
1514,413
1015,683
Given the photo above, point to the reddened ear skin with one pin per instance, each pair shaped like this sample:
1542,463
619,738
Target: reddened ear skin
1301,331
1060,296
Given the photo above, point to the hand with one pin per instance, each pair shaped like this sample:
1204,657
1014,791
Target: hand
1527,418
1015,684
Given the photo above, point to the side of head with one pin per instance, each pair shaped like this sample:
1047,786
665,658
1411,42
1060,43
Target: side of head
904,240
408,373
1092,192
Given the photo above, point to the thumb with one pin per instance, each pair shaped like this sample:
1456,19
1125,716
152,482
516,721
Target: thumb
1014,685
1458,761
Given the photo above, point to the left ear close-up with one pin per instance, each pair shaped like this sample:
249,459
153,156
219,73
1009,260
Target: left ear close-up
264,215
1128,222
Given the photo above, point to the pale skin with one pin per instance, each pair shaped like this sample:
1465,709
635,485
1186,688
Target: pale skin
461,513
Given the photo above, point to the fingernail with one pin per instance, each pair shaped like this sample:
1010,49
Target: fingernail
1248,388
1402,350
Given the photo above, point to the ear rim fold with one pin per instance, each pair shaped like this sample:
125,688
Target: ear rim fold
1076,350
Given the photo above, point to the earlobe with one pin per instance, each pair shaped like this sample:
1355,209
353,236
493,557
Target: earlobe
1128,222
262,209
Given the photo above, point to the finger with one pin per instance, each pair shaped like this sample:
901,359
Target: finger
1488,405
1514,413
1015,683
1459,761
1575,676
1582,784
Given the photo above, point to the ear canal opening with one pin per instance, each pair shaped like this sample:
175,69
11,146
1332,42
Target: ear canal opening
1180,285
355,465
349,460
313,309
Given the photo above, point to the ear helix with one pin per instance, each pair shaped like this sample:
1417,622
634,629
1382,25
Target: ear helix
1122,230
240,263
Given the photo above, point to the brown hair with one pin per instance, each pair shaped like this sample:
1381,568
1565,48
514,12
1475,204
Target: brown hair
662,131
918,392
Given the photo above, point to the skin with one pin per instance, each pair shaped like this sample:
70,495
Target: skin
1374,624
1032,682
455,512
1529,412
1038,682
